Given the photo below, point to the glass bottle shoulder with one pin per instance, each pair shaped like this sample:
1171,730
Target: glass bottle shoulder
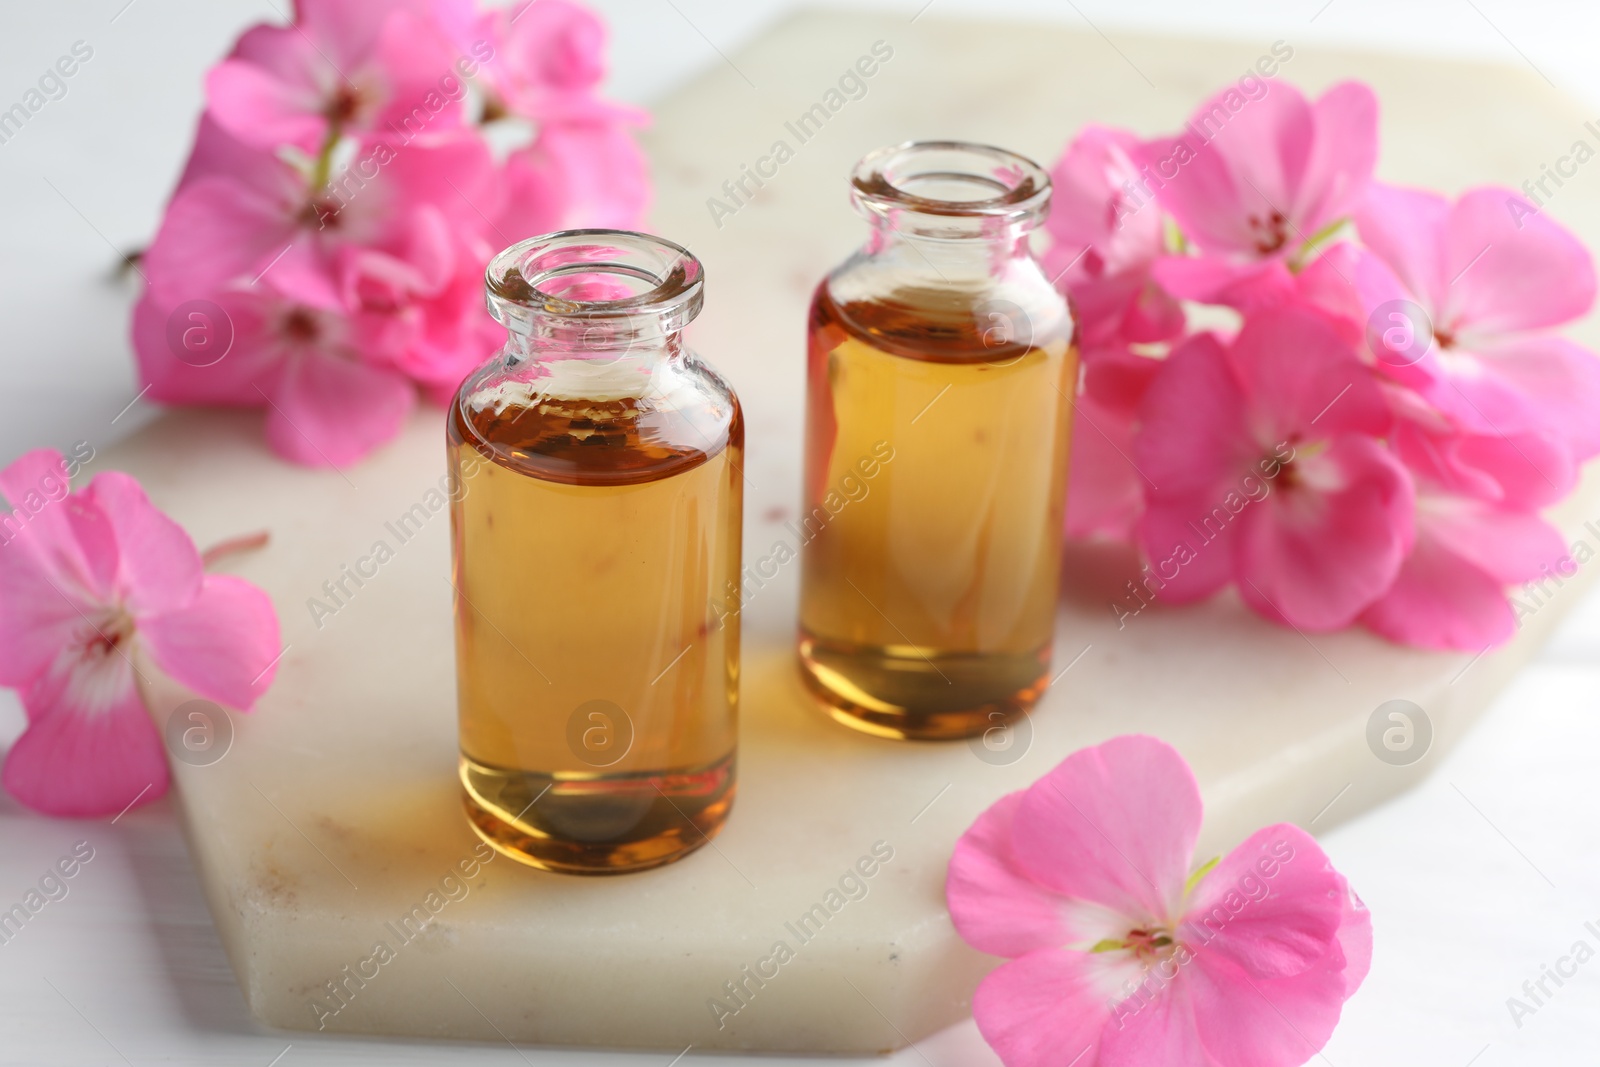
583,422
952,315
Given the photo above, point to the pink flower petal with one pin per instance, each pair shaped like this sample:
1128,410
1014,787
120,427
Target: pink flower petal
1092,208
61,533
349,28
36,617
90,748
556,45
1314,554
58,565
302,275
1450,593
178,374
1159,1028
1440,601
1106,493
1113,825
1046,1009
1303,379
314,419
1238,159
1265,1022
1355,940
1188,542
1122,309
1555,385
1194,437
412,60
1344,152
219,154
1244,286
223,646
1405,227
1510,274
216,230
160,567
1273,906
452,170
1509,546
994,906
1527,470
590,174
1328,285
260,108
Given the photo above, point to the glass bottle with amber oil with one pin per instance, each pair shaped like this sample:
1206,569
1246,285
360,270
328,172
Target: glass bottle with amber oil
595,526
941,376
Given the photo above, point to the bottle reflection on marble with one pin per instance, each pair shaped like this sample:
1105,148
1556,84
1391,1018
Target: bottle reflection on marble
596,526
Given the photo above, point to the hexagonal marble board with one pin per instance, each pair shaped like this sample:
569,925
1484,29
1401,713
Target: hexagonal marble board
335,815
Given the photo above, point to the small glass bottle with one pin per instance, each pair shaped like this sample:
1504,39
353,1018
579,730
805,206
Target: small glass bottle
941,376
595,523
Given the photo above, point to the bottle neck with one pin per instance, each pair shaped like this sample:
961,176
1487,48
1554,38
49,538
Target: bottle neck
995,250
599,362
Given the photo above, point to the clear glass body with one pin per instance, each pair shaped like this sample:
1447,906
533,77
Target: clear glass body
595,529
940,360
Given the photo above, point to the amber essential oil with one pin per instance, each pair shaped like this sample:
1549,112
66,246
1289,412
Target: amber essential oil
592,534
928,605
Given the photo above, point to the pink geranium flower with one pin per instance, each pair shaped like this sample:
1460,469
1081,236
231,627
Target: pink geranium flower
575,175
1450,591
326,405
1526,470
549,59
97,587
335,305
258,220
1106,234
1477,526
582,167
1491,276
342,198
1107,490
341,67
1121,952
1255,180
1267,467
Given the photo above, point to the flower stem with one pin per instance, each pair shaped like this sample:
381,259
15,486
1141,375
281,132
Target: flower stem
243,543
321,172
1302,257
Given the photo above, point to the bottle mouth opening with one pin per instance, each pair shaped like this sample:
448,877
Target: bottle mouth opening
953,181
583,276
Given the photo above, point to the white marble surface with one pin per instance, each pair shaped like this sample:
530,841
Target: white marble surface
1478,878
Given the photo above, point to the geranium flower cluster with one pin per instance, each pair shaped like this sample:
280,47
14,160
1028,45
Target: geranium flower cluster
1341,397
323,254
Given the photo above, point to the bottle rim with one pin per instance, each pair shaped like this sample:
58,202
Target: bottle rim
580,276
951,180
